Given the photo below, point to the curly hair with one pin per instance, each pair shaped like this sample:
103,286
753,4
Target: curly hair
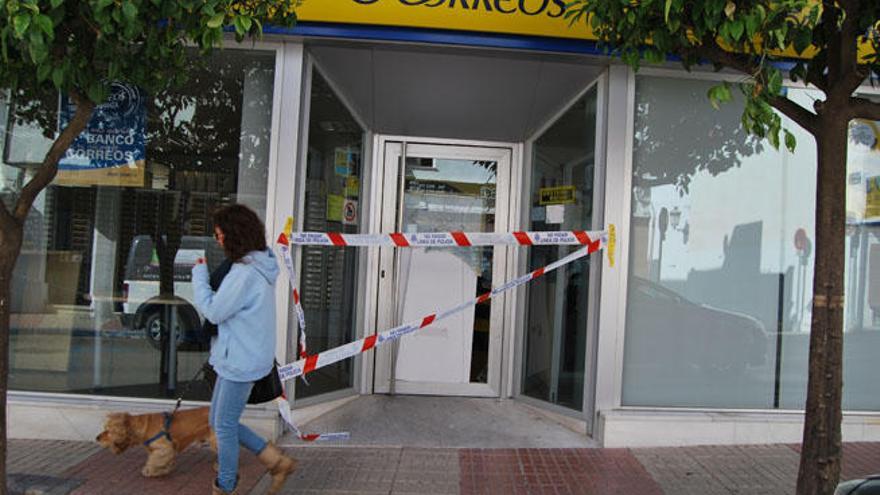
243,231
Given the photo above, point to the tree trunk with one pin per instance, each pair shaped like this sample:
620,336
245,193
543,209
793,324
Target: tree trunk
10,245
11,235
820,459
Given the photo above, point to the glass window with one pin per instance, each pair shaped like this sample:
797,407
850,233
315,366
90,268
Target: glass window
102,297
861,340
721,258
561,198
329,274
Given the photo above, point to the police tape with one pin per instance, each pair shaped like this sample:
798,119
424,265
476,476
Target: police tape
445,239
282,403
316,361
284,248
287,416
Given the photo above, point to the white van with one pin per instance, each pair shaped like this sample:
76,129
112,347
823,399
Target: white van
142,307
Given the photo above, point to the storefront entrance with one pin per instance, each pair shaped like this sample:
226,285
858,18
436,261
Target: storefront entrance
440,187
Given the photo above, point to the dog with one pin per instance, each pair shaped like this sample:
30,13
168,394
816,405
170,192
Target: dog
163,441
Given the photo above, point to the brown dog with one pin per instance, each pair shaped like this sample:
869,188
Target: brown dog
122,430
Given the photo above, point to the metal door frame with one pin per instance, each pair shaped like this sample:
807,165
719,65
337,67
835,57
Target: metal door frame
387,150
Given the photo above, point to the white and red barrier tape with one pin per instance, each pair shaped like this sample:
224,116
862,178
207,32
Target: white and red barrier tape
330,356
446,239
592,242
297,305
281,402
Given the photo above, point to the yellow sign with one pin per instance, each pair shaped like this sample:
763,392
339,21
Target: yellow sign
352,186
335,205
562,195
517,17
525,17
122,176
872,198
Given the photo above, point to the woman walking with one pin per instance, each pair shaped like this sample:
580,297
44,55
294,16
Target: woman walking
243,308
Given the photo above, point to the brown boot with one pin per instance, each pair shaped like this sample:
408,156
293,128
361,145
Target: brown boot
279,466
217,491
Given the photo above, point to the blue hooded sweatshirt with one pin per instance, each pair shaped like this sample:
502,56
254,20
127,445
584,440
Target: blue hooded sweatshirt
243,308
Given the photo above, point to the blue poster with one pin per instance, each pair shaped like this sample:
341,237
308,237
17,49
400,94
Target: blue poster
110,151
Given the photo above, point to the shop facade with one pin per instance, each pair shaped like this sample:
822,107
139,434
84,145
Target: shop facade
374,116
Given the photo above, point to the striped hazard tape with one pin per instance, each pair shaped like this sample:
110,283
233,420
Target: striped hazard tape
448,239
316,361
592,242
287,416
287,259
282,403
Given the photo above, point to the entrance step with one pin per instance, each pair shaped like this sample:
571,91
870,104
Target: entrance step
442,422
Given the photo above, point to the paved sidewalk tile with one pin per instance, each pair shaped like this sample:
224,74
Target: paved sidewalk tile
338,471
554,471
859,459
38,466
710,470
108,474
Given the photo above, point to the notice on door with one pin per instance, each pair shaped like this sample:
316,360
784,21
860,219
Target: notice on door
561,195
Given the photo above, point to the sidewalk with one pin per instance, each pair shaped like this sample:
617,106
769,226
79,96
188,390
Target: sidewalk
59,467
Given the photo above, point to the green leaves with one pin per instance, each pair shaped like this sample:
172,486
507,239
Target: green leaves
790,141
84,45
757,31
20,23
719,94
45,24
129,11
216,21
243,24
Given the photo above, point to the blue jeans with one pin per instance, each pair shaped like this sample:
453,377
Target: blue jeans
227,405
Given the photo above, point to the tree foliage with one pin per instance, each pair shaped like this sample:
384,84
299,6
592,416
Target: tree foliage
83,46
761,39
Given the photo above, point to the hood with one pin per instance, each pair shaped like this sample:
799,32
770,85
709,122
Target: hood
264,262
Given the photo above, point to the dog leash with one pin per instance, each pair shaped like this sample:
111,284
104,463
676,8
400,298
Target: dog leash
185,391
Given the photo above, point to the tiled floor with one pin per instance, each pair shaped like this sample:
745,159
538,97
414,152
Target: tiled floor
58,468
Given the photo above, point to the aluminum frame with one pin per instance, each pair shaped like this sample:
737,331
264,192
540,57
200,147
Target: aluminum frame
600,83
501,152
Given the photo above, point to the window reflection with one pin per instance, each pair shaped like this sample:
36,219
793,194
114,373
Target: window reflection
723,225
561,198
334,170
102,293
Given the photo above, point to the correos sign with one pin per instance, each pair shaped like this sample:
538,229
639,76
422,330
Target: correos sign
523,17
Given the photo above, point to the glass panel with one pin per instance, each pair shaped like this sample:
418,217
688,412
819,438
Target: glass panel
106,248
328,275
563,162
439,196
861,390
721,257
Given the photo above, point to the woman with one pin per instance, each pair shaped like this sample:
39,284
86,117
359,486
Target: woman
243,308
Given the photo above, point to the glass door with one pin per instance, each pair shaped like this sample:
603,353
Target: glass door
438,188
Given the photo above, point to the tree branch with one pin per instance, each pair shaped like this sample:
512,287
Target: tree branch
6,218
816,75
864,109
850,73
795,112
711,51
47,170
